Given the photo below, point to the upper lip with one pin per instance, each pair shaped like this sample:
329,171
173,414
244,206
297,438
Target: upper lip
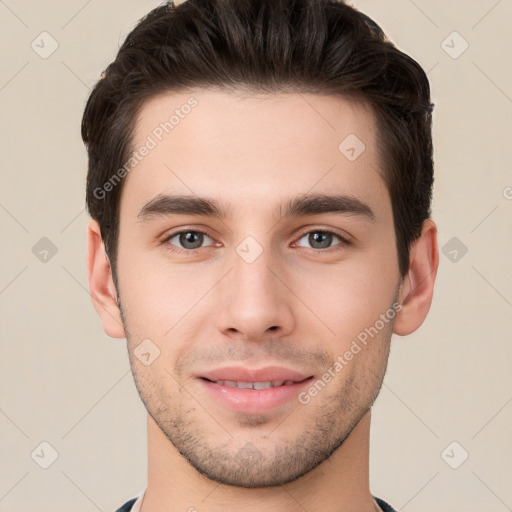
243,374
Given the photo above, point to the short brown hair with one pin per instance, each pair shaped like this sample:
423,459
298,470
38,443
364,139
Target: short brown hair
315,46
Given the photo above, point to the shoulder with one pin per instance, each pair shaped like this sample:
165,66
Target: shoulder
127,506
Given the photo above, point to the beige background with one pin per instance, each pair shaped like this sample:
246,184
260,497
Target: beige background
64,382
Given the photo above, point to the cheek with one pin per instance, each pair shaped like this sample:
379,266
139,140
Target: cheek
156,294
350,296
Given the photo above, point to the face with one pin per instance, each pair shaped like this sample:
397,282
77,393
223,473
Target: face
289,266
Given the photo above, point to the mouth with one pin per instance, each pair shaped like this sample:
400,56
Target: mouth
253,391
268,376
256,385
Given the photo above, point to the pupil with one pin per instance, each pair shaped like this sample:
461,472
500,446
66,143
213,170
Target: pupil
314,238
188,237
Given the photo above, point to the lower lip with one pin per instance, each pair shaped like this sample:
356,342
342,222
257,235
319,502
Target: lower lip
253,400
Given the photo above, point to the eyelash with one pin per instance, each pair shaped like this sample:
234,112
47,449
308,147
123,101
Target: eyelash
343,241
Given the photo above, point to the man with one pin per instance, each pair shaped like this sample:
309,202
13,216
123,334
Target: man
260,178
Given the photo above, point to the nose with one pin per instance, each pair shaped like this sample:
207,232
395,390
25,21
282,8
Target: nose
255,300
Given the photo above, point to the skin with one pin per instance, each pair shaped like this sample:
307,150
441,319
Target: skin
210,308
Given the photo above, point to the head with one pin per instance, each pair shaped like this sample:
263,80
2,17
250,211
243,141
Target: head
256,106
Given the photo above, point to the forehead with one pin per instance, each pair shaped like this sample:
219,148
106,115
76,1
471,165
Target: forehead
250,150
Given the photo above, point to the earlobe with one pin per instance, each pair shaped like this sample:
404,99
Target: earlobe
101,284
417,288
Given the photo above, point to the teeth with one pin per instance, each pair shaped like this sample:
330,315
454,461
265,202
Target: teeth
254,385
243,385
262,385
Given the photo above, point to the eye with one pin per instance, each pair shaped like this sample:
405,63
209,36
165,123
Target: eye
322,239
189,239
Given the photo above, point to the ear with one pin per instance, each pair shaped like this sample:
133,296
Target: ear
101,283
417,289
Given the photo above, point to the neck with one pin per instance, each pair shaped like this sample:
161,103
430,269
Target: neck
340,483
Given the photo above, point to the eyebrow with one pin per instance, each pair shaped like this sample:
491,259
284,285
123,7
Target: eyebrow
309,204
